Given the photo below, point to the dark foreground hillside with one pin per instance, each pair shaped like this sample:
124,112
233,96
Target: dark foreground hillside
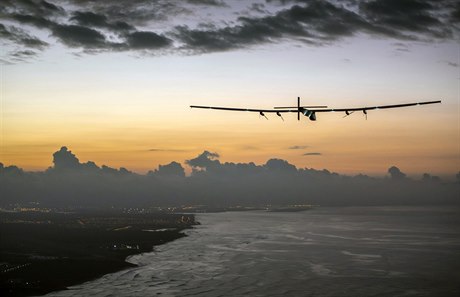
42,252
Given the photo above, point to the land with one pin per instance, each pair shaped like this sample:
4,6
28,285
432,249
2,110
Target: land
42,252
214,209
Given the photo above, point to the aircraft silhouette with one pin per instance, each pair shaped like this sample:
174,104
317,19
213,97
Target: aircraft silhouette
310,111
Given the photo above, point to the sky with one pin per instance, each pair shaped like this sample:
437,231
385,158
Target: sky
113,81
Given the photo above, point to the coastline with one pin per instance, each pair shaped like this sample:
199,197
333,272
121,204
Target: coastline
41,252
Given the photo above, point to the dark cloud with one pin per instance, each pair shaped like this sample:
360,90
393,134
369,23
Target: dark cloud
173,169
316,23
20,37
278,165
135,12
298,147
426,177
449,63
395,173
147,40
207,2
72,183
87,25
106,170
204,160
406,15
83,35
312,154
11,170
455,14
90,166
283,2
5,33
64,159
201,40
6,62
33,6
325,18
23,55
91,19
31,42
403,49
258,7
97,26
250,31
79,36
50,6
37,21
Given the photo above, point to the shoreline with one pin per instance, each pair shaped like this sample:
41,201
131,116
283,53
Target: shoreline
43,253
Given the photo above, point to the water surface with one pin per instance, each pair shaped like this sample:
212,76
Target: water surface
365,251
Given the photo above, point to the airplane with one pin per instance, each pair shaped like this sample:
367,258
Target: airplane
310,111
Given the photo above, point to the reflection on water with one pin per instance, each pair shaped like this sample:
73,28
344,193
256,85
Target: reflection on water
368,251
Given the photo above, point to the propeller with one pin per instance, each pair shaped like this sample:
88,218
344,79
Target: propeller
263,115
347,113
365,113
279,114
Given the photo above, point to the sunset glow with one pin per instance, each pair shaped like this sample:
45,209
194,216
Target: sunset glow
131,109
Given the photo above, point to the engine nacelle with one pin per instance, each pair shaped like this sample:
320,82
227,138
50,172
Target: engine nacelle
310,114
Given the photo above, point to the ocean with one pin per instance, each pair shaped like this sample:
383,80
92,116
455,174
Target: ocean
349,251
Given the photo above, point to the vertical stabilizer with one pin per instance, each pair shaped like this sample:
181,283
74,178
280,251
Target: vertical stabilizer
298,108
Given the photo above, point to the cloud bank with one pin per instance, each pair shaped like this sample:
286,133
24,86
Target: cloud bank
71,183
204,26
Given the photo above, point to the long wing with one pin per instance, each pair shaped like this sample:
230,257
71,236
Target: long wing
244,109
302,108
375,107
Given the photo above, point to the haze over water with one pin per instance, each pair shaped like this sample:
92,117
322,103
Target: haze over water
365,251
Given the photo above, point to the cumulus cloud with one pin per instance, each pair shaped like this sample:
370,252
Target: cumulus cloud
64,159
426,177
171,169
204,160
70,182
143,25
396,173
279,165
